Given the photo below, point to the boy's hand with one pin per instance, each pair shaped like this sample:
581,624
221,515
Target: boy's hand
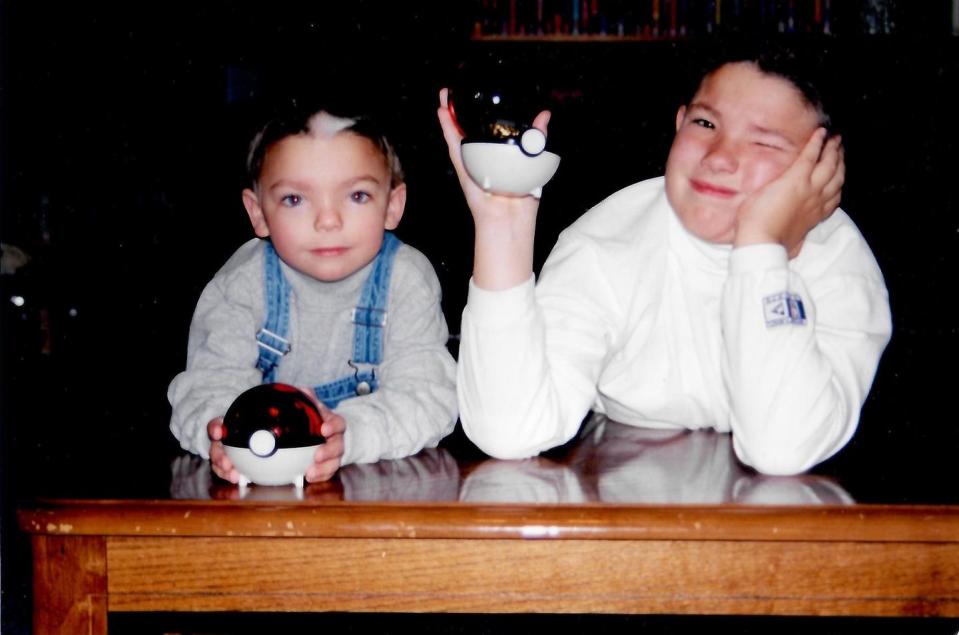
785,209
219,461
480,202
326,460
505,225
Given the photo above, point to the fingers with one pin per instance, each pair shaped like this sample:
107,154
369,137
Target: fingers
451,132
333,423
322,471
454,137
221,463
830,160
830,175
326,460
835,172
812,152
214,429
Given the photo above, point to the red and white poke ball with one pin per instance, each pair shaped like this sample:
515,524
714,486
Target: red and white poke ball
502,151
270,433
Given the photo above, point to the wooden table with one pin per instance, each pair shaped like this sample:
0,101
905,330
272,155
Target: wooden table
625,521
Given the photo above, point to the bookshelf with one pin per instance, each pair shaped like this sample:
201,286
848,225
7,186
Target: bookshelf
640,20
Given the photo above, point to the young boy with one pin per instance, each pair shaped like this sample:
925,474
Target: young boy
730,294
326,299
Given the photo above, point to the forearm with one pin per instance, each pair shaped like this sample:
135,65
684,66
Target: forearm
504,224
503,251
414,405
518,397
414,408
185,423
199,395
221,357
796,383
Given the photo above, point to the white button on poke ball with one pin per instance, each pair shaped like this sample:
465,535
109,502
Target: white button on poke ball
262,443
533,141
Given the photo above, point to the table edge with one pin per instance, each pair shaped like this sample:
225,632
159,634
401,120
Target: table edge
596,521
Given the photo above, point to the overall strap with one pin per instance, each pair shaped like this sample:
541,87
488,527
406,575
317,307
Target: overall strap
369,316
369,320
272,338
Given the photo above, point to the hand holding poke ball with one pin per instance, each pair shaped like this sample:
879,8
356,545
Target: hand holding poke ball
502,151
270,433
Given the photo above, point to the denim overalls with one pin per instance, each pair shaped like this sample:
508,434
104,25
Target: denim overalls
369,319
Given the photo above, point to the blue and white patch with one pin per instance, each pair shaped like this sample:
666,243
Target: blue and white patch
783,308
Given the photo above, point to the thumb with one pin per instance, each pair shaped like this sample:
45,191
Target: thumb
542,120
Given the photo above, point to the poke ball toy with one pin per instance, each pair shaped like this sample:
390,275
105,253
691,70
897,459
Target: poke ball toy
502,151
271,432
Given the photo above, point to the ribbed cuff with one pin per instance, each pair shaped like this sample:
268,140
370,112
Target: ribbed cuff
757,258
491,309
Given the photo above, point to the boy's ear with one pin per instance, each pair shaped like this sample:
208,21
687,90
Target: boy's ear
252,204
680,115
394,210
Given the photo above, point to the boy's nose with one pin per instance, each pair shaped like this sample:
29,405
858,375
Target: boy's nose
722,156
328,218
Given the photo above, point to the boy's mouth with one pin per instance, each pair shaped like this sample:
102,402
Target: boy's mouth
709,189
328,251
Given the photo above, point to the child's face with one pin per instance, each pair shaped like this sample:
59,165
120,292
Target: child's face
742,129
325,200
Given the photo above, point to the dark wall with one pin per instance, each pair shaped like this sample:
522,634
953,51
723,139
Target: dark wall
124,131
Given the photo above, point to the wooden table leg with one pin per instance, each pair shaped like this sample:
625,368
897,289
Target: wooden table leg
69,585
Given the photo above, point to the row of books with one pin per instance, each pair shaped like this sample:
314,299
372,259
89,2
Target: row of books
678,18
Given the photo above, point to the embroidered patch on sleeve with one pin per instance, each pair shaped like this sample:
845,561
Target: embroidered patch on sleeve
783,308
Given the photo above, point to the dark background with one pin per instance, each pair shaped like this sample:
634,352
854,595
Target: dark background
122,138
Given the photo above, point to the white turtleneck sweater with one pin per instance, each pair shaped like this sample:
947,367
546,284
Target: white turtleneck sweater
636,318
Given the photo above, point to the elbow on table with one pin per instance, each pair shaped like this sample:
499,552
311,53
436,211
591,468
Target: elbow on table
498,439
797,437
774,457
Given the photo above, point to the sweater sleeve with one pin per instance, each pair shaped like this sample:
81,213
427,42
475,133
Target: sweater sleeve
221,358
530,358
415,404
799,355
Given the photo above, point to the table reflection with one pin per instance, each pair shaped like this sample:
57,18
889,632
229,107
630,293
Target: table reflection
432,475
608,463
616,463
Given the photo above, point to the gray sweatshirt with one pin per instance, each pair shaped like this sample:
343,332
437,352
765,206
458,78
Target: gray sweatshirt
415,405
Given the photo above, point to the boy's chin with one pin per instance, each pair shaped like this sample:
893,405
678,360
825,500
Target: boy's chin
708,228
328,274
333,277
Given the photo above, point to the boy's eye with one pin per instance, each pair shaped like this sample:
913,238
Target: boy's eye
291,200
360,197
704,123
768,146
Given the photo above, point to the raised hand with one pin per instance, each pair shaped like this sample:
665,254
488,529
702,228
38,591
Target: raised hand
785,209
505,225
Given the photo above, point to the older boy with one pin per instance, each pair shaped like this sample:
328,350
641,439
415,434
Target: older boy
730,294
326,299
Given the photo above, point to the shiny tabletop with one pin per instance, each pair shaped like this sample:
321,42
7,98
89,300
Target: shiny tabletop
620,520
609,462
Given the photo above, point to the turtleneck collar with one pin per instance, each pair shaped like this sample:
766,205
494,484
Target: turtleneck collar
693,251
328,293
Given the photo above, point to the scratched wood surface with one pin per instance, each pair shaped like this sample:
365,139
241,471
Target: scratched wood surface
868,523
626,522
438,575
70,578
